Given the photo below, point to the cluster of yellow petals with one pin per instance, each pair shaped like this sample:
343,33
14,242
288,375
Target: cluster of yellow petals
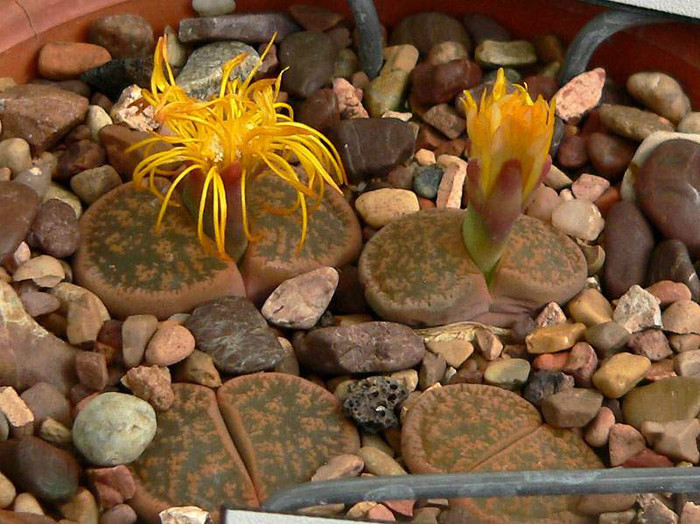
509,126
244,125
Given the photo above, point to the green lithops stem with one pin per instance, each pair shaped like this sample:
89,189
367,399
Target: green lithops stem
483,246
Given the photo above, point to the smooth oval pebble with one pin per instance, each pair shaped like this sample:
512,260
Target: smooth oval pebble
382,206
114,428
213,7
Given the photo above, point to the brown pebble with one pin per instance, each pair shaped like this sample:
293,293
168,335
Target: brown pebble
91,369
170,344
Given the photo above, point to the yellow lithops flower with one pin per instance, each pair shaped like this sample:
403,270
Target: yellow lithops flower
240,133
510,139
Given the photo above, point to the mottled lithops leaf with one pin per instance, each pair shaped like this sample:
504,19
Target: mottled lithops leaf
416,271
462,428
192,460
540,265
135,270
285,428
455,428
545,448
333,237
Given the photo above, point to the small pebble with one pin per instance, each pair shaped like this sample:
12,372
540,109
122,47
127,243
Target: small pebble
578,218
624,442
620,373
214,7
637,310
170,344
382,206
152,384
598,430
571,408
554,338
590,307
508,373
676,439
581,94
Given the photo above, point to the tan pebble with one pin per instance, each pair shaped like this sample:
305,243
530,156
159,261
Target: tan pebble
360,510
7,492
590,307
82,508
669,292
598,430
554,338
620,373
682,343
84,320
340,389
170,344
454,351
55,433
624,442
682,318
425,157
378,208
379,463
137,330
27,503
18,414
184,515
427,515
381,513
489,345
605,503
198,368
66,293
44,270
126,113
451,185
690,513
408,378
376,441
340,466
324,510
289,363
617,517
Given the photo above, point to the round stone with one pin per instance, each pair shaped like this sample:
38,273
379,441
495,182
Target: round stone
667,186
114,428
135,270
433,283
213,7
55,229
424,30
18,207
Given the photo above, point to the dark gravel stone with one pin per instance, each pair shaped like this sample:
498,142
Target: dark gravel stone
435,84
609,154
667,188
670,260
427,180
116,75
55,229
81,155
372,146
123,35
320,110
363,348
255,28
544,383
349,296
628,243
424,30
572,152
310,57
49,473
483,27
236,335
18,207
372,403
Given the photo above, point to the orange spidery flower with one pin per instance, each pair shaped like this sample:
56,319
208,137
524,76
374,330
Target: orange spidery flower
243,130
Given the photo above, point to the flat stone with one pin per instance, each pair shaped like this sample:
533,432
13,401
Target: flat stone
192,459
122,35
299,302
235,334
676,439
286,428
440,286
362,348
425,30
372,146
333,237
134,270
502,433
201,75
509,373
675,398
29,353
631,122
114,428
310,57
637,309
660,93
382,206
39,114
664,187
49,473
18,208
581,94
571,408
620,374
249,27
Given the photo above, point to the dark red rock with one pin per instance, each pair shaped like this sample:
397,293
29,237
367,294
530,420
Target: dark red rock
670,260
123,35
55,229
628,243
310,57
572,152
116,139
483,27
424,30
192,460
369,347
315,18
236,335
320,110
256,28
609,154
81,155
349,297
109,341
40,114
541,85
46,401
285,427
18,208
667,188
435,84
33,465
372,146
648,458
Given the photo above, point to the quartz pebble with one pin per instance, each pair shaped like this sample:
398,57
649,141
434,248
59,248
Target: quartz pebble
551,315
637,309
589,187
382,206
578,218
581,94
184,515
